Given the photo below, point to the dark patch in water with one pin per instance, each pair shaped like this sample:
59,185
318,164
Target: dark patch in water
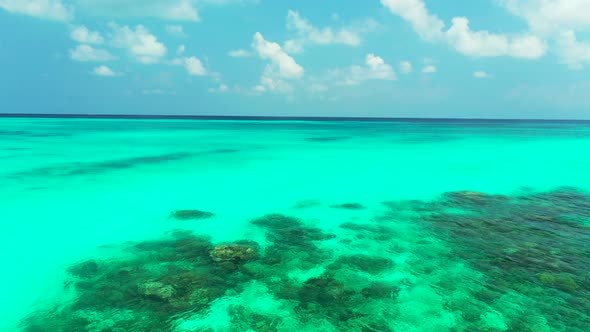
381,290
13,133
328,138
372,231
23,133
36,188
84,270
50,135
308,203
349,206
191,214
372,265
221,151
128,163
16,149
85,168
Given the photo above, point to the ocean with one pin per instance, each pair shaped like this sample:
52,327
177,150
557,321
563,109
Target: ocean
114,224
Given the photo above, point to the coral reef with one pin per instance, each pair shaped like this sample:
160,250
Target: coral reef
233,253
468,261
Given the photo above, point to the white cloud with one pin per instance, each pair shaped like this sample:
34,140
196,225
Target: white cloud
82,35
140,43
309,34
104,71
273,80
285,64
430,69
481,74
282,67
194,66
378,68
47,9
551,16
87,53
180,50
238,53
220,89
486,44
316,87
562,21
259,88
176,62
573,52
176,10
428,26
183,10
294,46
375,68
175,30
461,38
406,67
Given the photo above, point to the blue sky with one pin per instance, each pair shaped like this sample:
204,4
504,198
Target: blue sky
393,58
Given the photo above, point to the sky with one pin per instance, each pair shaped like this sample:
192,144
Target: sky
370,58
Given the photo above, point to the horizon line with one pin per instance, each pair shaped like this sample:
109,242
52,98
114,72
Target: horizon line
267,117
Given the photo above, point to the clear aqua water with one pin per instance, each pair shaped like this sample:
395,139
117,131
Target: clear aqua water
351,226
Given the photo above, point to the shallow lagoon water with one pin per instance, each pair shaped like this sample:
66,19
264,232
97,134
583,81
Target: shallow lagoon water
357,226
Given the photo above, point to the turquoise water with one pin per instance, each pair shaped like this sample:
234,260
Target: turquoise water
186,225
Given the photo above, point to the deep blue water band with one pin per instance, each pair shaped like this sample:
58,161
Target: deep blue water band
277,118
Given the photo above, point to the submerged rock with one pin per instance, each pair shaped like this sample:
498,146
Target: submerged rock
183,247
86,269
365,263
374,231
289,233
473,197
381,290
191,214
276,221
156,290
327,291
233,253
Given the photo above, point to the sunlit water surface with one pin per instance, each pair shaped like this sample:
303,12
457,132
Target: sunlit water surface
294,225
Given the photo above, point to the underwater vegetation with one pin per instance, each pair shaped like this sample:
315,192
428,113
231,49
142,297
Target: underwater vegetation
98,167
191,214
349,206
535,246
468,261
